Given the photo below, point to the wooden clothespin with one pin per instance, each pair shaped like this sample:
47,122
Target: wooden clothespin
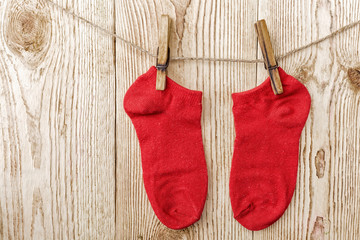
163,54
269,57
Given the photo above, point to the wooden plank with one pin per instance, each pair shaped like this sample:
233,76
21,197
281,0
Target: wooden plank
344,124
199,28
57,121
326,199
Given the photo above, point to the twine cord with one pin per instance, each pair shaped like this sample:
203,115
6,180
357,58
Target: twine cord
209,59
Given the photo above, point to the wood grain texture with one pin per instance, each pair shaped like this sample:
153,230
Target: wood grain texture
326,200
199,28
64,131
57,103
270,61
163,51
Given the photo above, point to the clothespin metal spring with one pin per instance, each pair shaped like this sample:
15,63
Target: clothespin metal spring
270,62
162,67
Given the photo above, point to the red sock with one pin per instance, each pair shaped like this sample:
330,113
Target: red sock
266,148
168,126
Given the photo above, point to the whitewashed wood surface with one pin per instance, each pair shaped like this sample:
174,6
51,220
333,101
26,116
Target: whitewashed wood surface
57,110
70,165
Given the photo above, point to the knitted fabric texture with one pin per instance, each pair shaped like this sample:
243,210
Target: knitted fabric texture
266,149
168,127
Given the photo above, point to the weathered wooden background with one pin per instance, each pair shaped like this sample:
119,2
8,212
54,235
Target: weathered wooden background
69,158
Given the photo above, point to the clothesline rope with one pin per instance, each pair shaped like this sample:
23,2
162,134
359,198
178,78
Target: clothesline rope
279,57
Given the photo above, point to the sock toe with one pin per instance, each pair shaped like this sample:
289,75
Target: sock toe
179,217
178,210
261,199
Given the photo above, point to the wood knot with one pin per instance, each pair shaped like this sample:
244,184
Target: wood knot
27,29
318,230
302,74
320,163
354,76
164,233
